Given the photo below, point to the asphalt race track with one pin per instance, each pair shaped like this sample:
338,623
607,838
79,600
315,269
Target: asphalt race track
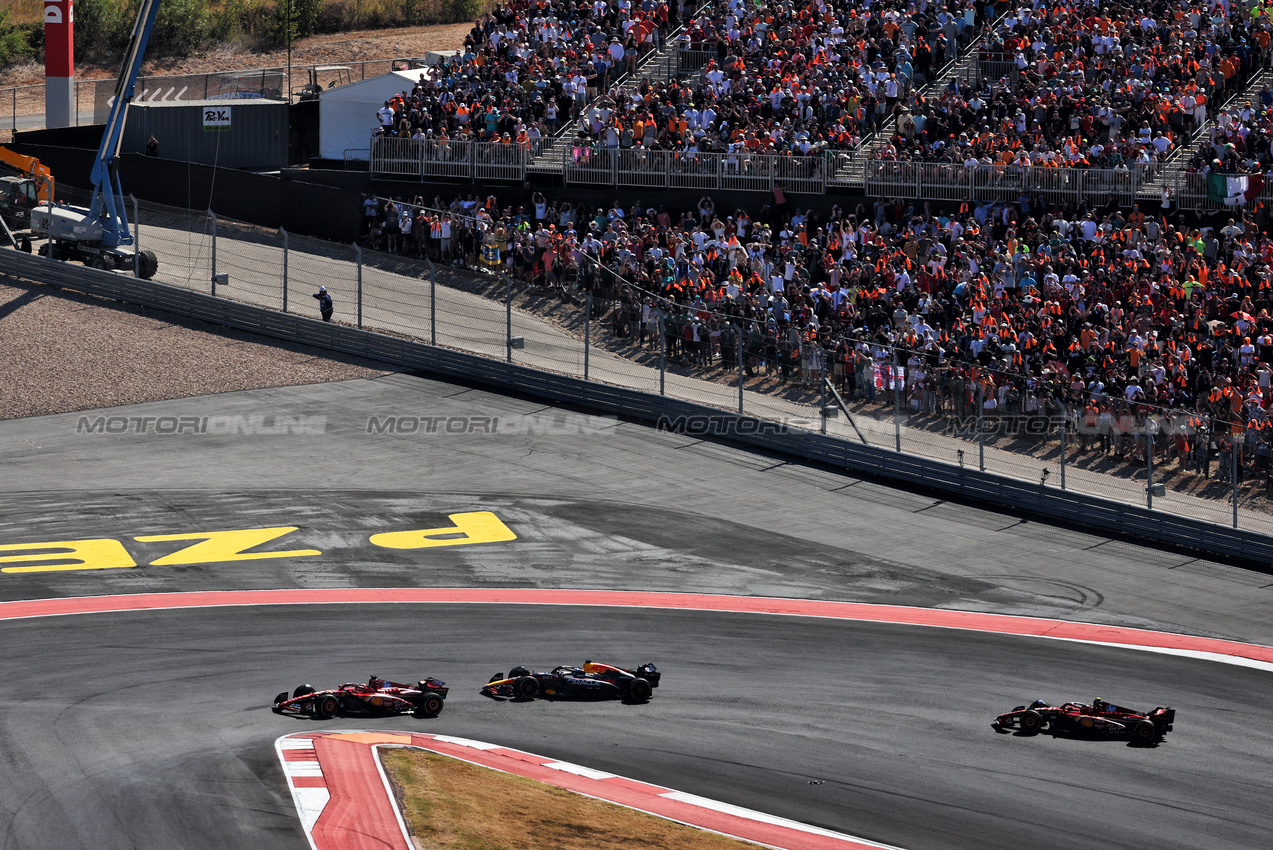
154,729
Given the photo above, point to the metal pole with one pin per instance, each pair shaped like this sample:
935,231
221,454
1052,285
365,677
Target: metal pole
663,358
822,384
289,52
284,232
741,354
508,321
1233,472
1149,461
1065,421
358,254
433,302
587,330
897,407
136,238
214,252
981,431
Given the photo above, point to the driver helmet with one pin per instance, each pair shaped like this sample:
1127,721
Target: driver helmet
374,681
1098,703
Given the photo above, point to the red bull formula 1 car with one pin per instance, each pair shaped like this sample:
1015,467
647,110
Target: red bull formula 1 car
1100,719
591,681
376,698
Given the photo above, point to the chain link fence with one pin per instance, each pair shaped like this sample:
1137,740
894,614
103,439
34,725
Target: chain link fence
595,325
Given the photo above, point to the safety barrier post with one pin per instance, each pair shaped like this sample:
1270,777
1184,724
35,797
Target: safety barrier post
136,238
358,255
283,231
897,407
213,216
981,431
1233,472
663,359
508,321
587,330
822,384
1149,461
433,302
1065,421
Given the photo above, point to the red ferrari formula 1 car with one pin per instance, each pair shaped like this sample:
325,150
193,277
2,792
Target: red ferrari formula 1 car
1100,719
376,698
592,681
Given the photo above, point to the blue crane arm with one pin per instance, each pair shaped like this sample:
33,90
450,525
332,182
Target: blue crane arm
108,201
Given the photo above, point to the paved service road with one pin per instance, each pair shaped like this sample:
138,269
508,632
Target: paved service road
154,729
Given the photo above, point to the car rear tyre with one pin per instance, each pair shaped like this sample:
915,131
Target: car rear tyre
640,690
327,706
431,705
528,687
1031,722
1144,732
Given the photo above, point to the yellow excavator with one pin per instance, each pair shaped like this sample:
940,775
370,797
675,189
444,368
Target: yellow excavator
21,192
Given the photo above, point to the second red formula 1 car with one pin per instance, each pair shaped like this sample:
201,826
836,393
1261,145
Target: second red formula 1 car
377,698
1100,719
592,681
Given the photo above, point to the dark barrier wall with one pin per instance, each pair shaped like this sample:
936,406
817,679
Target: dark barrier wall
266,200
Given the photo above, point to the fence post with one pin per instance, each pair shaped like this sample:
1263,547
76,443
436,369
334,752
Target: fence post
508,320
981,431
587,333
433,302
741,333
663,357
358,255
1065,421
1233,472
136,238
822,385
1149,461
284,232
897,407
214,252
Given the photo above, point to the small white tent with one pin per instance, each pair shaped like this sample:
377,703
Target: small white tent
347,114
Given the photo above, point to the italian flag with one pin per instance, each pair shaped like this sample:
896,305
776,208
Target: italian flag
1233,189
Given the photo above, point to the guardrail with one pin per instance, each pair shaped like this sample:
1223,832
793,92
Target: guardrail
1003,492
680,169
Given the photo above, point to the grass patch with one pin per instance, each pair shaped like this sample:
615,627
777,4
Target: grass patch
453,805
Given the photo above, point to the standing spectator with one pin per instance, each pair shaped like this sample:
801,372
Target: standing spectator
324,303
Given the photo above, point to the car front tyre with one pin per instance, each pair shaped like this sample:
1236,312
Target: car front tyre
1031,722
528,687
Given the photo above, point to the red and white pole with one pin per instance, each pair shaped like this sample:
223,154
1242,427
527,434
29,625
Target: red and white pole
59,63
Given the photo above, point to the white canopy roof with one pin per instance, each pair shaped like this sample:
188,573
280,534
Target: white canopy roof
347,114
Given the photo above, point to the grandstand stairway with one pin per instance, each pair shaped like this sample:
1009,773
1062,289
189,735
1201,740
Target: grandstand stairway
659,66
1176,163
850,170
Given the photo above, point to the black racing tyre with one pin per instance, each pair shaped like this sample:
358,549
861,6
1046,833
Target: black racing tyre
326,706
431,705
1145,732
302,690
1031,722
528,687
147,265
640,690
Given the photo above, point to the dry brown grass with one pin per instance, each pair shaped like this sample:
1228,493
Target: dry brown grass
25,11
453,805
